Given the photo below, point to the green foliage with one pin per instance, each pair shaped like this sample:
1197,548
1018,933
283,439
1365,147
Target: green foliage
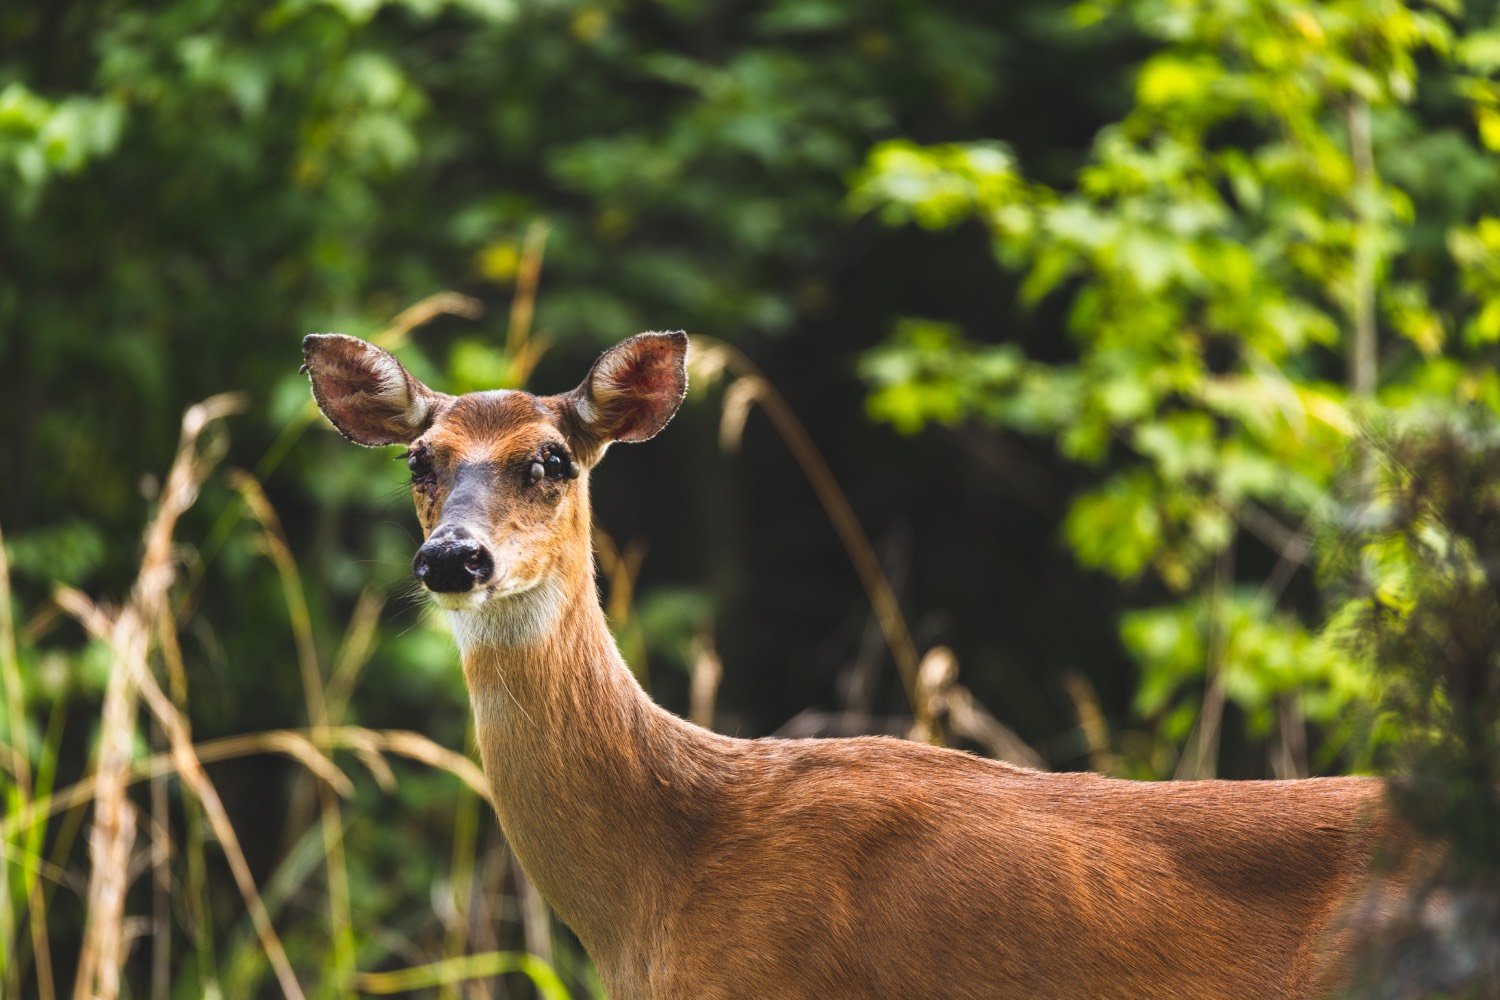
1225,243
672,619
1426,578
926,374
1422,606
1266,656
188,187
40,138
1476,251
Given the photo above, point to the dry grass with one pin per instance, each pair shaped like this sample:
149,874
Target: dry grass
939,704
129,633
712,359
314,943
132,837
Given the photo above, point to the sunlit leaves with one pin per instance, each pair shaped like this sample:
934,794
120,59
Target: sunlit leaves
936,186
1265,655
1214,255
927,374
1119,527
1170,81
1477,251
1480,53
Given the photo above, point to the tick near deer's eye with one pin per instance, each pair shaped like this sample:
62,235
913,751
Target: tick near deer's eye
419,462
554,465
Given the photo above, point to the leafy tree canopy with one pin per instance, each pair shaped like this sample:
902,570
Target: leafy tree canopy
1284,244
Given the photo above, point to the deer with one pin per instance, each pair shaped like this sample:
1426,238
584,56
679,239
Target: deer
692,864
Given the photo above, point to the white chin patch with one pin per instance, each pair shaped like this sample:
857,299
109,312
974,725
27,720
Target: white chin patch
469,600
503,619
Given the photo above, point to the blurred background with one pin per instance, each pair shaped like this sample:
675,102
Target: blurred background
1062,348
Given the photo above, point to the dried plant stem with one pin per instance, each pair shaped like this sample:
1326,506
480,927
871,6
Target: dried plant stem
489,910
161,896
187,765
425,311
703,689
1202,755
341,921
460,882
354,651
528,278
621,569
196,907
751,386
304,746
1091,721
113,831
946,706
49,871
453,970
1288,755
128,633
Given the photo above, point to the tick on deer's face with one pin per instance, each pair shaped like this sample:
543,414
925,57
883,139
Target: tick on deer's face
497,477
492,480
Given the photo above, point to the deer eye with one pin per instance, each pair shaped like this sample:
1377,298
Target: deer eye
554,465
420,465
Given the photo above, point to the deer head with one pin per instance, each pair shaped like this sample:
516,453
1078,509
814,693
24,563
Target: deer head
500,478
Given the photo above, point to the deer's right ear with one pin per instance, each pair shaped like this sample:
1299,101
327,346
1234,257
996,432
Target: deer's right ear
365,392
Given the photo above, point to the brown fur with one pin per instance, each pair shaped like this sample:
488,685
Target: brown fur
692,865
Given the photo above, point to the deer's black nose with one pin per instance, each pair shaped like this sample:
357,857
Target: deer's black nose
452,563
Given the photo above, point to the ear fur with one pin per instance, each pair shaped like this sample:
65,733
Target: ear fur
365,392
634,388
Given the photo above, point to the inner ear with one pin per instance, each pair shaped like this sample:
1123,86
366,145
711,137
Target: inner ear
365,392
634,389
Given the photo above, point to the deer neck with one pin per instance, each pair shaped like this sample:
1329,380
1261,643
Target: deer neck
598,789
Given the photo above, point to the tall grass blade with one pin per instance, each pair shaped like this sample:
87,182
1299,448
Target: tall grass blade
18,797
710,358
456,970
341,921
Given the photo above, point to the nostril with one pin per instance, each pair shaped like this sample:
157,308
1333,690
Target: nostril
479,564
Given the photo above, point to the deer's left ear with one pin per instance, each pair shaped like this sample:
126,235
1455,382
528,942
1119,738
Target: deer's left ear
365,392
634,388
